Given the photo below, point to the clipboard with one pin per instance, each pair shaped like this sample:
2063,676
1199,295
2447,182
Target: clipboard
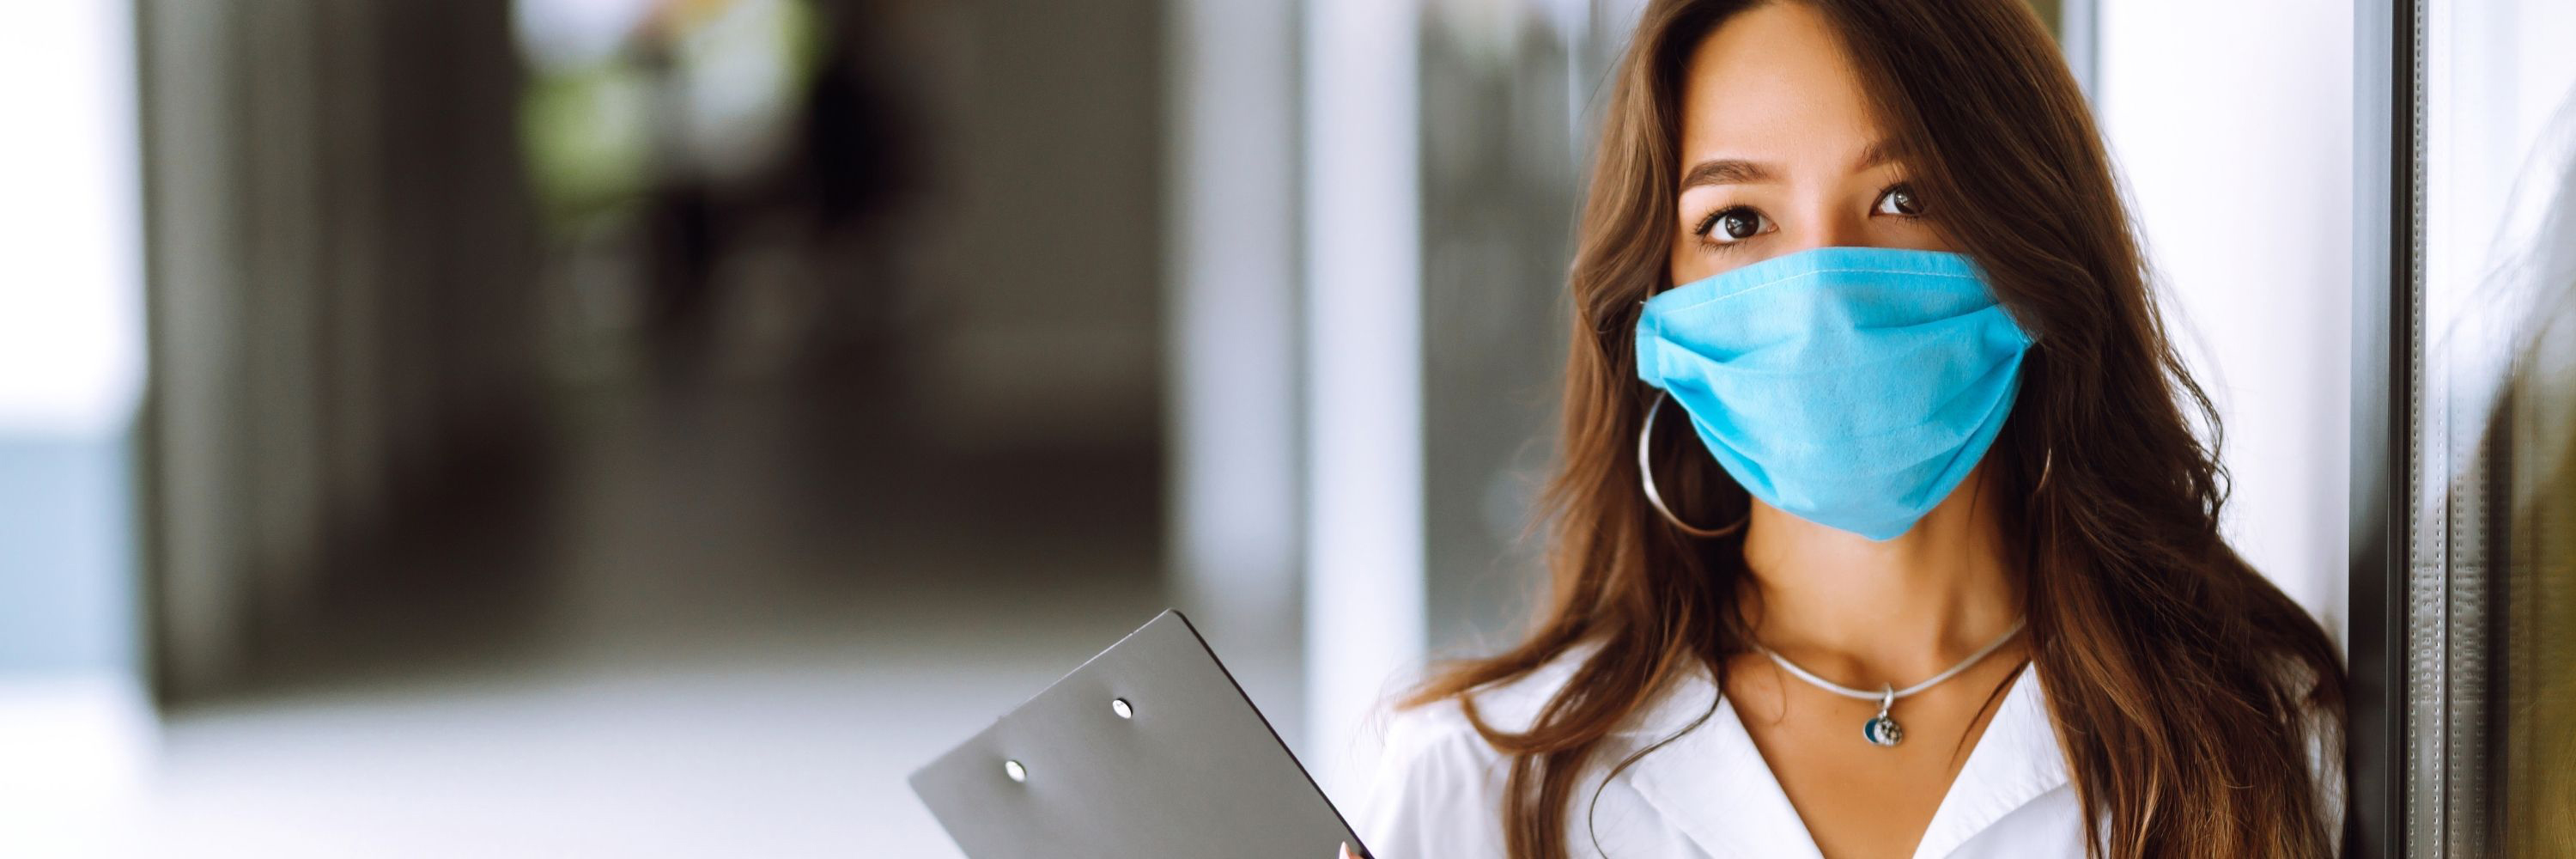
1147,751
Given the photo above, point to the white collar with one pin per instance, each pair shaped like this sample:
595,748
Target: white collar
1713,784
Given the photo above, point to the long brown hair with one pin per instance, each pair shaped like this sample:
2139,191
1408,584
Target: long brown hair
2180,681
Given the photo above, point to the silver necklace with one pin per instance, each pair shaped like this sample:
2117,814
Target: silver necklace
1882,730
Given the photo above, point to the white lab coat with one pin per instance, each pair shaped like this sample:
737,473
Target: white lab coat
1437,790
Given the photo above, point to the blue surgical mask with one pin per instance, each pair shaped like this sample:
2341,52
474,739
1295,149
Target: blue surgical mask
1853,387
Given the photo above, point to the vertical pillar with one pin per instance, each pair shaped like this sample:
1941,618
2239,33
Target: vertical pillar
1363,363
1232,334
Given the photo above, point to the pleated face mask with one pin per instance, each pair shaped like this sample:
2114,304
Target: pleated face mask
1852,387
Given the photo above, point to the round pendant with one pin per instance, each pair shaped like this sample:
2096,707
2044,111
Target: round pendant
1882,731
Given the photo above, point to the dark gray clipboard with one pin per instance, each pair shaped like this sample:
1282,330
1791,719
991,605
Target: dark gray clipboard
1192,771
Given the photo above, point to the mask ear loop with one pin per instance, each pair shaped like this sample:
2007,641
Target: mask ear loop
2046,459
1646,471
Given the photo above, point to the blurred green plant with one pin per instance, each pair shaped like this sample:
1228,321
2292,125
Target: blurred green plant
586,134
586,129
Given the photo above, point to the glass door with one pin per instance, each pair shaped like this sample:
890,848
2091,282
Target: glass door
2464,515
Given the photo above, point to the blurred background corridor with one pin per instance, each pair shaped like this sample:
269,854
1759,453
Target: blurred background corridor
523,428
727,619
605,428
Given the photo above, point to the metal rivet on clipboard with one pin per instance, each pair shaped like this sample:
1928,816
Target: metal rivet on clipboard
1122,708
1013,769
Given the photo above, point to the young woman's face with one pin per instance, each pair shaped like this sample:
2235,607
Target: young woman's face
1780,151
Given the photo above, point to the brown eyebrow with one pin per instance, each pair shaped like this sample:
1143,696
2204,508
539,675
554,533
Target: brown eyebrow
1879,153
1725,171
1737,171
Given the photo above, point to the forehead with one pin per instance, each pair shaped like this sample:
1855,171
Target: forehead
1774,83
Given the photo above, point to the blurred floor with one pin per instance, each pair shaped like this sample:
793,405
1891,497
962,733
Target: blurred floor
728,625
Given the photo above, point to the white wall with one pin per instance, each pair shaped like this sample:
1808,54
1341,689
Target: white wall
2232,125
71,331
75,726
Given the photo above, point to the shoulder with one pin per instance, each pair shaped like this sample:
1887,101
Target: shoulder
2321,726
2317,711
1438,787
1511,706
2312,722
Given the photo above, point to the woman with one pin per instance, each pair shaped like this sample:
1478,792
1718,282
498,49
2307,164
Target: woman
1933,566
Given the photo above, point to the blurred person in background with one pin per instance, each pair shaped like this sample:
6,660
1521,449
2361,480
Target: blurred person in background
859,143
837,156
1942,574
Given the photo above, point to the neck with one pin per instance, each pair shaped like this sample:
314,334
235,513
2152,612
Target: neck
1867,612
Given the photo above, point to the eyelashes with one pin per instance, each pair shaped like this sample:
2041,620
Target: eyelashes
1897,200
1732,224
1725,228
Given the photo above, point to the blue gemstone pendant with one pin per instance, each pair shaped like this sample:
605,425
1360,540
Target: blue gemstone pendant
1881,730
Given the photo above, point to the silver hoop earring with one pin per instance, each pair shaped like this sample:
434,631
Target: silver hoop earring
1646,470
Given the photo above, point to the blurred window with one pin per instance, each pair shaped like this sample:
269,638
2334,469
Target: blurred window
2490,615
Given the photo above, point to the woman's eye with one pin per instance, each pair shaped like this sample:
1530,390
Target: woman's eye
1729,226
1898,200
